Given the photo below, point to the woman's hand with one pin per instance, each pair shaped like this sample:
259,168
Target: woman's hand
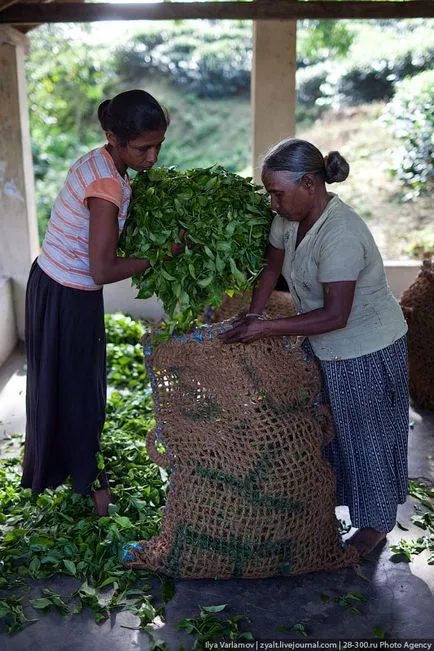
246,331
178,247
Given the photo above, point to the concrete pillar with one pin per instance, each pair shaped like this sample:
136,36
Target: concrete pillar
18,225
273,85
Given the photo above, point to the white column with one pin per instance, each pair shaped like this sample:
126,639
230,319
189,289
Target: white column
273,85
18,225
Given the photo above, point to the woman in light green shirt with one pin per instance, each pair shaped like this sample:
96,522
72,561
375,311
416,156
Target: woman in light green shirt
354,325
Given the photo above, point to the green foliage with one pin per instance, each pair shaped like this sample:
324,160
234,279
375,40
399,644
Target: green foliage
207,627
376,79
310,82
298,628
213,61
204,131
66,82
66,94
379,633
226,221
319,40
122,329
125,361
66,86
369,74
125,366
55,533
350,600
407,549
411,116
51,599
11,611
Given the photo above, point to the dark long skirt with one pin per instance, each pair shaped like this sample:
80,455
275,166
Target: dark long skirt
66,384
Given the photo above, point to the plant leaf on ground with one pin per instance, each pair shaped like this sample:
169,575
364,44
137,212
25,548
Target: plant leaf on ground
406,549
12,612
298,627
347,600
207,627
55,533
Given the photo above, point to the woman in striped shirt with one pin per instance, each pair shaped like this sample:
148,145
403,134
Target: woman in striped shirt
65,335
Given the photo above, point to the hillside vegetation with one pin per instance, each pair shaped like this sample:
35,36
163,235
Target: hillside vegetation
201,72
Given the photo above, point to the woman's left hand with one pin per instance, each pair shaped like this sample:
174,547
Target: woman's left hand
245,331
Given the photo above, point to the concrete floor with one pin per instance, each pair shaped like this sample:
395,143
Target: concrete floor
400,595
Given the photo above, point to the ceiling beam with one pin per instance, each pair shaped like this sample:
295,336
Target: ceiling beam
4,4
21,13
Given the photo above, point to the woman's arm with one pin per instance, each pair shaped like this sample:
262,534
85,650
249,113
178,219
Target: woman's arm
105,266
338,301
268,279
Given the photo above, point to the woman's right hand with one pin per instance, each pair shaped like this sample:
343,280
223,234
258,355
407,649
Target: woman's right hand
179,247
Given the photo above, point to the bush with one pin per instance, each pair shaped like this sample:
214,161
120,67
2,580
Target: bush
376,80
372,76
411,116
309,83
214,62
122,329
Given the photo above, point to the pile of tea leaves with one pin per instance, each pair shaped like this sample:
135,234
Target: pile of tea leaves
56,533
226,220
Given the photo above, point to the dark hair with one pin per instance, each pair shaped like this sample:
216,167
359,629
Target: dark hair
300,157
131,113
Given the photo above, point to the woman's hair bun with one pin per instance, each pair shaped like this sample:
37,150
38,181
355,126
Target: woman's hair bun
336,167
103,114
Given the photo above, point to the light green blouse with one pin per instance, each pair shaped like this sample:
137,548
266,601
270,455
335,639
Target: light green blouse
338,247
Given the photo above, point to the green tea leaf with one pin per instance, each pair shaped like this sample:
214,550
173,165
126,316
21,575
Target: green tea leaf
41,603
226,220
213,609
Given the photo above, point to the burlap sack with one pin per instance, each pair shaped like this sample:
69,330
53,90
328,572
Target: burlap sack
250,492
279,305
417,303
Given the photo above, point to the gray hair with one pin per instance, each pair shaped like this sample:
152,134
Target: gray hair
299,157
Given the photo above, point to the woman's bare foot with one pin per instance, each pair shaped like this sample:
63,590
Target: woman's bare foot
101,500
366,540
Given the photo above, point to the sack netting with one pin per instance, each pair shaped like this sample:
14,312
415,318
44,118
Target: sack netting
417,303
250,493
279,305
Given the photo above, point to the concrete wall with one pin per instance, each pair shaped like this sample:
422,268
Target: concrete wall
400,275
8,331
121,297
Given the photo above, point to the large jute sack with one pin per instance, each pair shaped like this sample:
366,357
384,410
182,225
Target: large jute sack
250,493
417,303
279,305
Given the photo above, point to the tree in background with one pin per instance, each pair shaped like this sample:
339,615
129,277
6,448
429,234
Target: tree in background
410,115
201,71
66,81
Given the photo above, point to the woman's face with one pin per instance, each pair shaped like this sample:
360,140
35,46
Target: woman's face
140,153
290,200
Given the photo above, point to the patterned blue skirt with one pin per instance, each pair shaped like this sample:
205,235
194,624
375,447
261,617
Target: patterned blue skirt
368,398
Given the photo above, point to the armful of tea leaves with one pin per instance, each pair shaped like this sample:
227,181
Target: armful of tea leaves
105,265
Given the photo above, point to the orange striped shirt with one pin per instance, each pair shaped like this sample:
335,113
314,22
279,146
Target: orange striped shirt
65,251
